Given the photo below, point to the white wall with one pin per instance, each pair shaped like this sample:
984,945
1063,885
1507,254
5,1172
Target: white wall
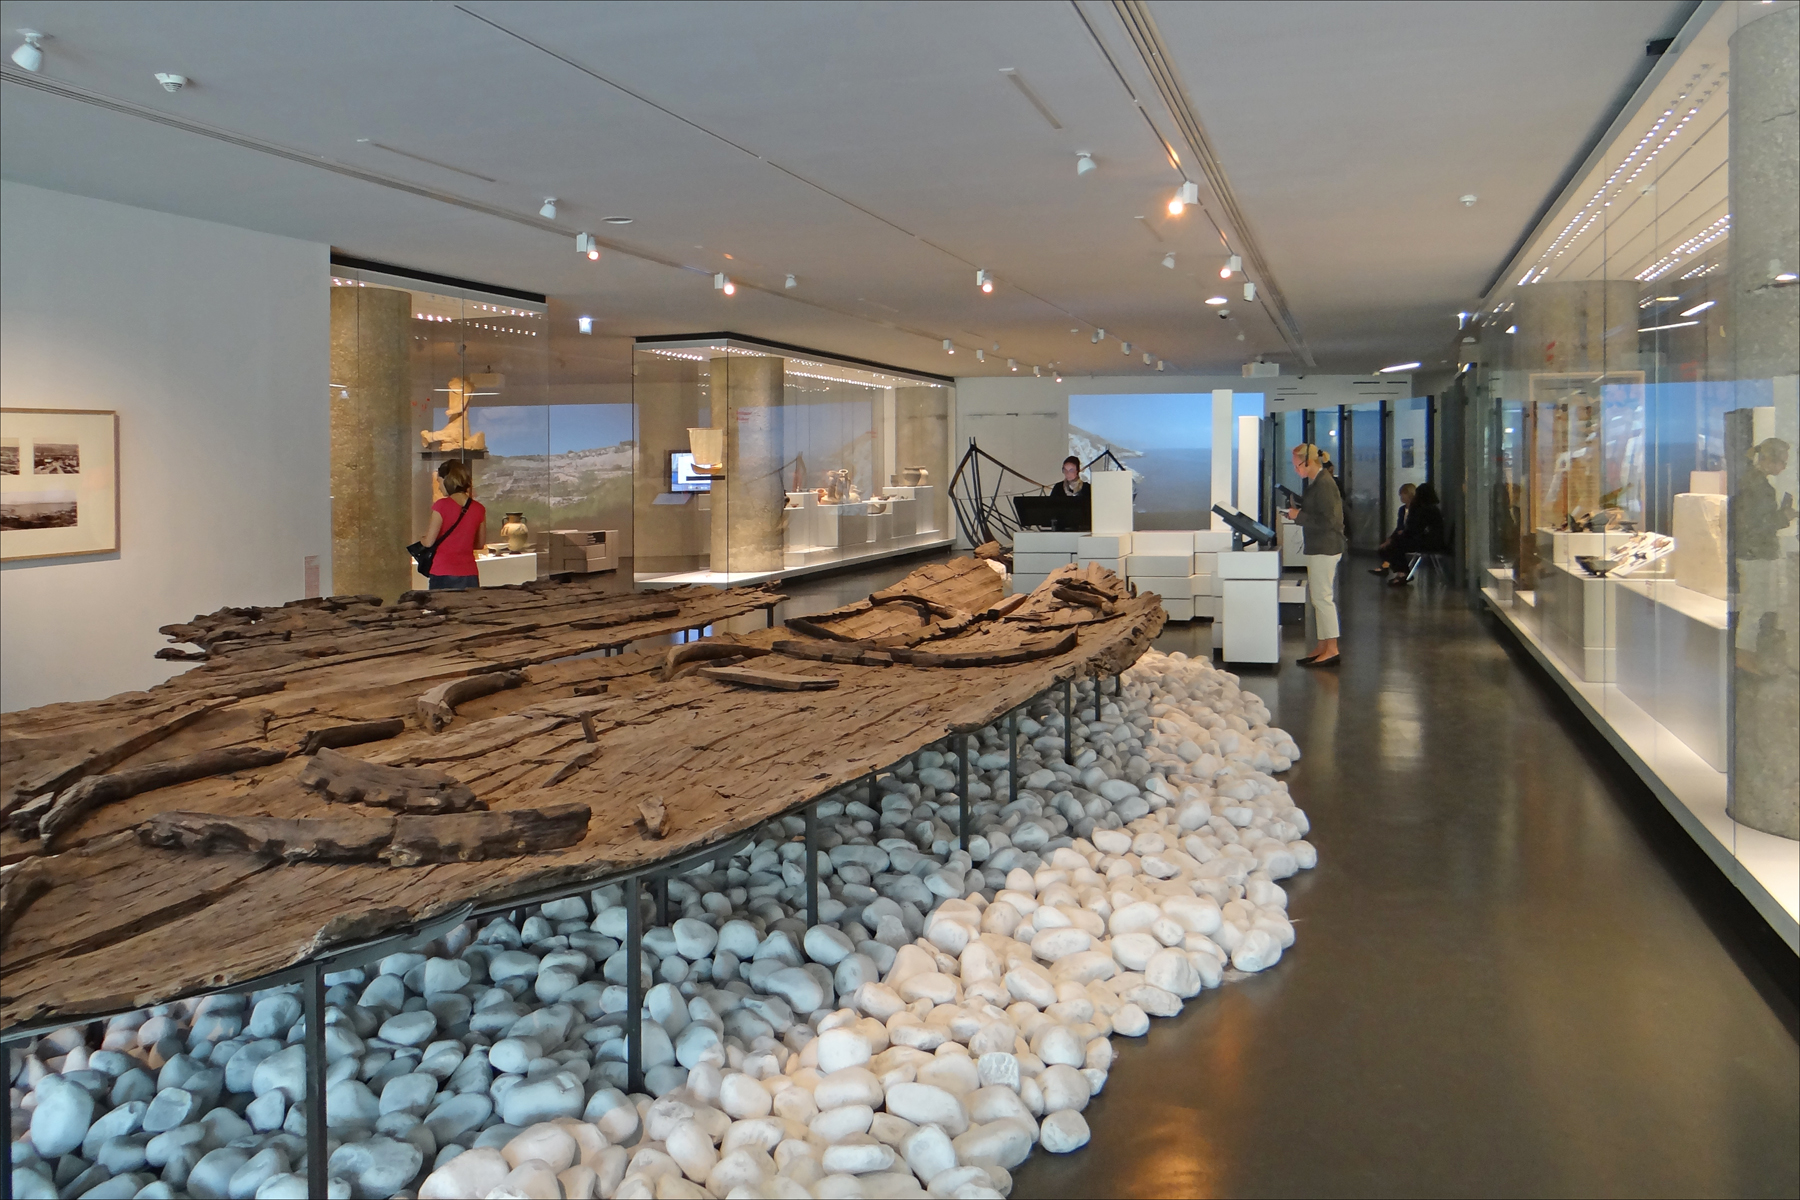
212,344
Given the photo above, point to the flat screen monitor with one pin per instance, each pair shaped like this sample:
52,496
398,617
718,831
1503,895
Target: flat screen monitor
1054,512
681,474
1248,528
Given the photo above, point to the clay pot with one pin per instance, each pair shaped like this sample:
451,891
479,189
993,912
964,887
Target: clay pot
915,476
516,532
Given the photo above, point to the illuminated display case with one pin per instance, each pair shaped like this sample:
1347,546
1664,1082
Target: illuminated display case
1633,429
820,460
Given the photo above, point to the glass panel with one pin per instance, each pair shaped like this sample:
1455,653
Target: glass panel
823,461
1639,379
1363,498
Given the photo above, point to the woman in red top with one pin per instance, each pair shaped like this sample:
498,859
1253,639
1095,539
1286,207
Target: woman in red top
458,523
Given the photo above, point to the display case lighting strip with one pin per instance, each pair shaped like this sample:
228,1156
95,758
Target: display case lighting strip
1686,250
1604,195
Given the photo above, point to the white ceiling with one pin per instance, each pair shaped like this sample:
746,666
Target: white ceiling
875,151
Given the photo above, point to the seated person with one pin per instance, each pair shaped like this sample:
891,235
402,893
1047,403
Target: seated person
1425,532
1389,550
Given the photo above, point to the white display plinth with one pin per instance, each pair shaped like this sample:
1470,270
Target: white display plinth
1674,661
495,570
1577,616
1111,503
1247,621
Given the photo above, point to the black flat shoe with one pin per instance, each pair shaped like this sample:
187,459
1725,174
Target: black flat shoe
1333,661
1378,570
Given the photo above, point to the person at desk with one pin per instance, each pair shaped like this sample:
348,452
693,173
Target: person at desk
1320,515
1073,486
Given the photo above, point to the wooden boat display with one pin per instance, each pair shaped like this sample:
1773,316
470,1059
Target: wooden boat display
332,770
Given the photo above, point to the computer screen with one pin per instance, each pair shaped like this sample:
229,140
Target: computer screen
681,474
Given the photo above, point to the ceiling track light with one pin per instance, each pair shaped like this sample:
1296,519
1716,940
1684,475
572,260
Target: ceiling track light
30,56
585,244
949,346
1012,364
1159,365
722,282
1188,193
984,281
1249,290
1147,358
1037,371
1059,377
1124,347
585,324
1099,336
980,354
1232,266
791,283
1169,260
1084,162
548,212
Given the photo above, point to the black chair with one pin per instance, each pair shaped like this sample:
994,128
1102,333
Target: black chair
1436,562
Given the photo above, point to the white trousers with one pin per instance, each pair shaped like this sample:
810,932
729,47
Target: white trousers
1321,588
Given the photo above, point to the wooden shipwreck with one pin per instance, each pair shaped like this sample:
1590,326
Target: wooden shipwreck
333,769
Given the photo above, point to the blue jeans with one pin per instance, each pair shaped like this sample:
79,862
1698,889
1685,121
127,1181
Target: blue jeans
454,583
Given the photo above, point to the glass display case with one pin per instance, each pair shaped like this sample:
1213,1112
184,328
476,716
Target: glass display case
424,372
1633,418
754,461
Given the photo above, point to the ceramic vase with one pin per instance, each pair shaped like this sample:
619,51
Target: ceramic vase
516,532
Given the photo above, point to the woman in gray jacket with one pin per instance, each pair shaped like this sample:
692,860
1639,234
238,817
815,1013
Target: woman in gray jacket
1321,519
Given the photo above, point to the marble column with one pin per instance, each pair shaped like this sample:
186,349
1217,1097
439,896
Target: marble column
372,442
748,523
1764,791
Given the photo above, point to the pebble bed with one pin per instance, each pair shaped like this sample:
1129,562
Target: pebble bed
952,1011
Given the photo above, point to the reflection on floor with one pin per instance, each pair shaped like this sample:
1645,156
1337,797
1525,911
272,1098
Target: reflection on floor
1517,974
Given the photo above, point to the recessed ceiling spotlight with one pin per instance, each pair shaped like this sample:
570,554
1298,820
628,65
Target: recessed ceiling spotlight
1240,337
31,55
1188,193
984,281
170,81
585,244
1232,265
1468,201
1084,162
548,212
617,220
1411,366
1786,277
1249,290
1215,301
585,324
1702,307
1169,260
949,346
722,282
791,282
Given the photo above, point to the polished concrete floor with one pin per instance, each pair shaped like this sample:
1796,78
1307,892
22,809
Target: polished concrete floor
1515,975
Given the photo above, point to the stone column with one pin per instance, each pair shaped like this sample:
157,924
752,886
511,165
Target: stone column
1764,789
372,442
668,395
922,439
748,523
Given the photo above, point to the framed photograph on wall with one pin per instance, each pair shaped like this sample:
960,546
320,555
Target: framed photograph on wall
59,482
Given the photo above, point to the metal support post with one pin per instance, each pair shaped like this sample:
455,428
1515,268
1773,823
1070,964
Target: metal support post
634,988
312,1000
1096,697
1069,720
812,866
659,891
1012,756
961,742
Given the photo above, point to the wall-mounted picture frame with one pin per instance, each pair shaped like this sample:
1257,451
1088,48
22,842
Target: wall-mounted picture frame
59,482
